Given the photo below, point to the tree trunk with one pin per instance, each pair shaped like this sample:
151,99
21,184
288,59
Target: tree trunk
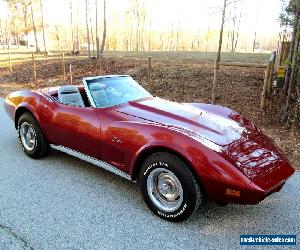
87,28
216,69
104,28
37,47
77,28
97,37
72,30
149,37
25,9
293,71
254,42
237,34
92,36
43,25
290,56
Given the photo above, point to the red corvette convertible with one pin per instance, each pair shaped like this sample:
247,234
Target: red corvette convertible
180,153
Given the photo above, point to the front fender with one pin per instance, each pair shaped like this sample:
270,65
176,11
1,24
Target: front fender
20,101
210,167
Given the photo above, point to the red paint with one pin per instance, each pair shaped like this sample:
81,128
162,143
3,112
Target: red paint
249,162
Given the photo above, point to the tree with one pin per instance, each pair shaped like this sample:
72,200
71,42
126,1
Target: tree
87,28
92,35
255,28
20,9
37,47
97,37
72,30
291,16
216,68
43,25
104,28
235,27
138,10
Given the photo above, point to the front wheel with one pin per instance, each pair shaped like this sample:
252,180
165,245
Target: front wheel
31,137
169,187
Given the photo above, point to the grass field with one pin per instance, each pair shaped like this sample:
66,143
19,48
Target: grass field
192,55
22,56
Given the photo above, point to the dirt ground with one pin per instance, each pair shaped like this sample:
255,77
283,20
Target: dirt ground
177,80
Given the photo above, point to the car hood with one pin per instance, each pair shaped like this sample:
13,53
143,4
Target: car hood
242,143
218,129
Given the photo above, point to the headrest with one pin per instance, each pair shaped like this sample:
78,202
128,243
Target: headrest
97,86
68,89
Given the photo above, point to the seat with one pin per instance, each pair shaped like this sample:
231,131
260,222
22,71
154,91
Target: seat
99,95
70,95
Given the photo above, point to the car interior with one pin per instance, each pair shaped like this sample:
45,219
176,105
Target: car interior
72,95
104,93
98,92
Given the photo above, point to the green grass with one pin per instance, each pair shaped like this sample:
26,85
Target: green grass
192,55
21,56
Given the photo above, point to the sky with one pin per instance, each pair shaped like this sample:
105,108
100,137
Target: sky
191,15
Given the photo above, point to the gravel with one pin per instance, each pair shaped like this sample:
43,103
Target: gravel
60,202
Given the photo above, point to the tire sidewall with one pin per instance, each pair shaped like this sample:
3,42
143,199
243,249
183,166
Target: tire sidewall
189,192
34,153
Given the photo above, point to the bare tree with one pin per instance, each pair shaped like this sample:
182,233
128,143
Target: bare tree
72,30
25,5
97,37
87,28
255,29
138,10
294,66
20,9
207,38
235,25
92,34
57,37
43,25
149,35
37,47
104,28
216,69
77,28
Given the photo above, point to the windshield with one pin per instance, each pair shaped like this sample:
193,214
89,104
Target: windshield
111,91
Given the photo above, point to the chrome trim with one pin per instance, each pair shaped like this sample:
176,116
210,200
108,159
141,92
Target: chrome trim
91,160
88,93
27,136
164,189
105,76
48,98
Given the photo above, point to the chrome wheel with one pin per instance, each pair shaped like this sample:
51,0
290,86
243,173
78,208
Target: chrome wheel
27,136
164,189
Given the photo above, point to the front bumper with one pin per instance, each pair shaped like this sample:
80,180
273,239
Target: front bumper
262,186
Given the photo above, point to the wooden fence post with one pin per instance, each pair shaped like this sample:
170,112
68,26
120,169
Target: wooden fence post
265,87
33,67
149,73
71,76
284,50
63,66
9,61
101,64
272,59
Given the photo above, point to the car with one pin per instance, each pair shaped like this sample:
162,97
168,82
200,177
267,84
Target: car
179,153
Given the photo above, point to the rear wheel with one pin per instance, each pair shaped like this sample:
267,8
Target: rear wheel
169,187
31,137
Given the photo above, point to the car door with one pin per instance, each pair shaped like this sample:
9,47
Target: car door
76,128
